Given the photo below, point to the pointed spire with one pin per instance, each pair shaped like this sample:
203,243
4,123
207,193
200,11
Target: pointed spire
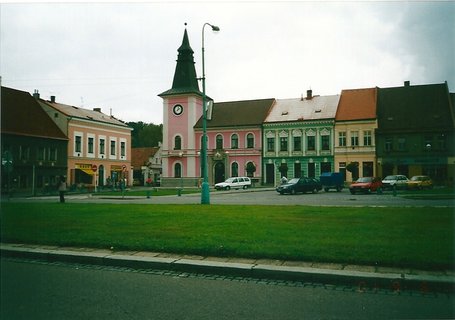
185,79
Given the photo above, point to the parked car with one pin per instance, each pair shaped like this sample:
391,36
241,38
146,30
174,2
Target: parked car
302,185
397,181
420,182
332,180
365,185
234,183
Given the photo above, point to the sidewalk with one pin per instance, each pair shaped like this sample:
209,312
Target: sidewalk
363,277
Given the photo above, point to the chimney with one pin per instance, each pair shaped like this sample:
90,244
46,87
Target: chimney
53,99
407,83
97,109
309,94
36,94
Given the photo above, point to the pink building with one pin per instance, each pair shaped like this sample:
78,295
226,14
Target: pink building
99,147
234,131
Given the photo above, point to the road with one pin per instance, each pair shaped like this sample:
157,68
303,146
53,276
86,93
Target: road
38,290
262,196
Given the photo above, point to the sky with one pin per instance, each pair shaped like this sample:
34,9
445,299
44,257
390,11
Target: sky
119,56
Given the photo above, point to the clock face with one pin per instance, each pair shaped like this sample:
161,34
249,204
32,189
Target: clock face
178,109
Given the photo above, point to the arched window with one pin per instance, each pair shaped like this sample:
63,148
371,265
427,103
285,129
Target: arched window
234,141
178,143
177,170
250,141
234,169
219,141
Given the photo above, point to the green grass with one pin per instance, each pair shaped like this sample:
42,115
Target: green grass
414,237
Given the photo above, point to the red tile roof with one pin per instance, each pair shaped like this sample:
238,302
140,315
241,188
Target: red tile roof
140,156
22,115
357,104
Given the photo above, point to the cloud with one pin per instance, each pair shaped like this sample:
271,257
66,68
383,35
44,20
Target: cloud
120,56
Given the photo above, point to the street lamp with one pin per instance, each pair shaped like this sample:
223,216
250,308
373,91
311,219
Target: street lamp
205,192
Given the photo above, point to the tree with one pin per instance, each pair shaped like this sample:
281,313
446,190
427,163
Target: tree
145,135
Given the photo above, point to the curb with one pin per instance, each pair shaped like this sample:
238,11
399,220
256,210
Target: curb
363,281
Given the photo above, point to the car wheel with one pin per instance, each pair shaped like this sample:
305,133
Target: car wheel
228,188
326,189
315,190
293,192
352,191
245,187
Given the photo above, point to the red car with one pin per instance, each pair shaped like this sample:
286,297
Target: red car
365,185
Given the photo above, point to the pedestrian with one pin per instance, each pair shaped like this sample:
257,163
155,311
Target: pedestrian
284,180
62,189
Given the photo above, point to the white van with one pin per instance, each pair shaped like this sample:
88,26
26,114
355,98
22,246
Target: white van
234,183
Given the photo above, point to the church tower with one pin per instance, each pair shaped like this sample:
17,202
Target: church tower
182,107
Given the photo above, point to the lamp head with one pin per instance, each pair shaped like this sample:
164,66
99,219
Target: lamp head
215,28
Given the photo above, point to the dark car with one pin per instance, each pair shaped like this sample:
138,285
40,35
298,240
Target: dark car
300,185
365,185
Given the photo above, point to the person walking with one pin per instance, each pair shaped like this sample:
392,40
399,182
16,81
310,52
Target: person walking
62,189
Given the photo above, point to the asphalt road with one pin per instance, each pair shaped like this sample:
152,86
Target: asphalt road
38,290
264,197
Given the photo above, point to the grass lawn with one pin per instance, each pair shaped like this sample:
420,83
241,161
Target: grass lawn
417,237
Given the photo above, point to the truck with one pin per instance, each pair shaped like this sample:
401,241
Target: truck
332,180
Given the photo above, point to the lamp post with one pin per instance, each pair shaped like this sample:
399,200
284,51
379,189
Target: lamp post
205,191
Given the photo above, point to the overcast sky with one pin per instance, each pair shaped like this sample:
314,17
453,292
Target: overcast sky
120,56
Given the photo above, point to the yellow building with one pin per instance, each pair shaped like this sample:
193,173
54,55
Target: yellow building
355,125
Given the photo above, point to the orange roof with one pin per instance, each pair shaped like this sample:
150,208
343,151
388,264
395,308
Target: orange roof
140,156
357,104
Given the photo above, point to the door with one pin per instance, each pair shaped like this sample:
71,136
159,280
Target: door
219,172
269,173
311,170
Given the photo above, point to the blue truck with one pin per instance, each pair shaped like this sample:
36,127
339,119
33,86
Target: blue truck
332,180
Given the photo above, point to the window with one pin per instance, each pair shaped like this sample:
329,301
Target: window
442,142
354,138
234,141
367,138
78,144
219,141
24,153
122,148
311,143
90,144
270,144
102,146
283,143
297,170
388,144
250,141
53,154
297,143
113,148
325,142
342,139
401,144
178,143
234,169
41,153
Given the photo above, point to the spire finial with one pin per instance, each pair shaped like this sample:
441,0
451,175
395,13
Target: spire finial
186,24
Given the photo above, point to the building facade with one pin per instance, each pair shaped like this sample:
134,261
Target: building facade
33,148
235,142
99,149
355,127
298,137
416,131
